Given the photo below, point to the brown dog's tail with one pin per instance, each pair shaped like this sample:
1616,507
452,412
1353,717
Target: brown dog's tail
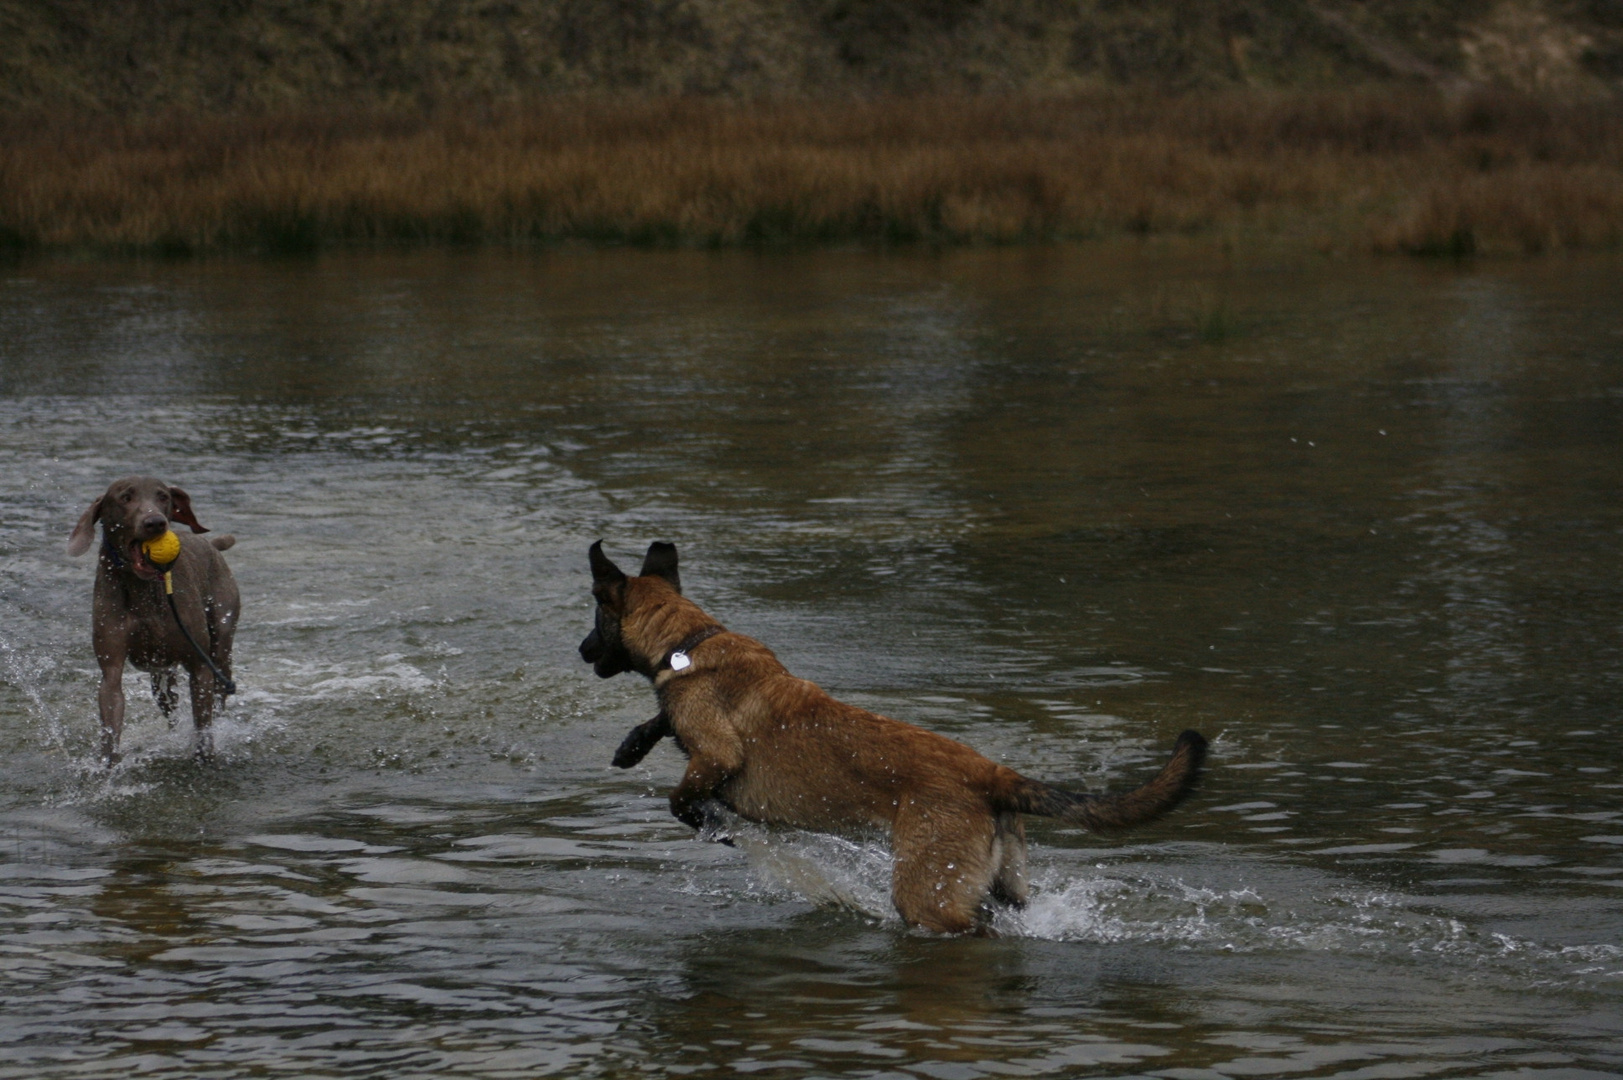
223,543
1109,813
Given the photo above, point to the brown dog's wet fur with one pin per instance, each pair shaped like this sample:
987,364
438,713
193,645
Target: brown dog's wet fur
130,615
777,749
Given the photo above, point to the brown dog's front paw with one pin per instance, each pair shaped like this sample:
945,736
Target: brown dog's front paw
641,739
714,826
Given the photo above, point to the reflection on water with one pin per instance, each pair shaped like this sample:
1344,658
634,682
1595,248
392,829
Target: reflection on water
1367,536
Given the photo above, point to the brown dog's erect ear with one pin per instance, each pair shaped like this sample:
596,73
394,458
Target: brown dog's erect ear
661,562
604,573
84,532
181,510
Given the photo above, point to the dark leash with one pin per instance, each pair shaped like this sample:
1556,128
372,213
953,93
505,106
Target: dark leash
226,684
221,679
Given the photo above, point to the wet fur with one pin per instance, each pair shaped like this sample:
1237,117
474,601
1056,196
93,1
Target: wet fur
775,748
130,617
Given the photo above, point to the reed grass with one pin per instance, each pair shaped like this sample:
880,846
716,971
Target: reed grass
1388,171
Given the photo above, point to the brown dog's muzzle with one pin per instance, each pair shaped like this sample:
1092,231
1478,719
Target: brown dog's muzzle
591,649
606,662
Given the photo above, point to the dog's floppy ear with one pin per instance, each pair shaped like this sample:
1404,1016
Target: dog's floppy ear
79,539
181,509
605,575
661,562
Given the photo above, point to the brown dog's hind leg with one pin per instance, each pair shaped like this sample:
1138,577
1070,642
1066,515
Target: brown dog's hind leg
1009,854
943,870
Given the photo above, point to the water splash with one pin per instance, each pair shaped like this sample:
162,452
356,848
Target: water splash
1167,905
830,871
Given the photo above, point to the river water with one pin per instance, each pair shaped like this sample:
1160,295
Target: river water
1359,522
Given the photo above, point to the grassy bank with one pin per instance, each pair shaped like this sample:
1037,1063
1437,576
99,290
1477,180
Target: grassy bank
1372,170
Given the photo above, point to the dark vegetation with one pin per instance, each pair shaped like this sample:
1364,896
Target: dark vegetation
234,55
1431,126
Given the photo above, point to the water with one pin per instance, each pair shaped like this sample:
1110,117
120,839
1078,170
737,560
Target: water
1358,522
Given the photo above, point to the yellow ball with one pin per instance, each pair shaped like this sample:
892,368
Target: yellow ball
163,550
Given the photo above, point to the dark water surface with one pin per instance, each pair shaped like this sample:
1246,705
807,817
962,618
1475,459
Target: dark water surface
1360,523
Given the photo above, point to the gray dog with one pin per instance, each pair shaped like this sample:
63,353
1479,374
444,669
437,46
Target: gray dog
134,619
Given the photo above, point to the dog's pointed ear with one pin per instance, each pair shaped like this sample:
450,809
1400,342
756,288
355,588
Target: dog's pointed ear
605,575
181,509
85,531
661,562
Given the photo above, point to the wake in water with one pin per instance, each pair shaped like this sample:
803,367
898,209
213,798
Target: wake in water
1286,910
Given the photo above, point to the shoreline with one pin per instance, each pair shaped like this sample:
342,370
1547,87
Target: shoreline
1383,171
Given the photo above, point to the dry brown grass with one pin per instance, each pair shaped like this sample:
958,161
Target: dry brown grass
1389,171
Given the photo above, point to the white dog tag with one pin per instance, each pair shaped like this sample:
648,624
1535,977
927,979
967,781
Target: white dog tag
680,661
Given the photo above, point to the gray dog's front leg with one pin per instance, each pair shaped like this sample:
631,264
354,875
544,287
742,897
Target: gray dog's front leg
203,696
110,703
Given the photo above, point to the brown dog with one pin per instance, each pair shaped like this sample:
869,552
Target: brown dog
131,616
777,749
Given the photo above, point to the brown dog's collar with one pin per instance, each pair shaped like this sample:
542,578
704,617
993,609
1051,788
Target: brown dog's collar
687,645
